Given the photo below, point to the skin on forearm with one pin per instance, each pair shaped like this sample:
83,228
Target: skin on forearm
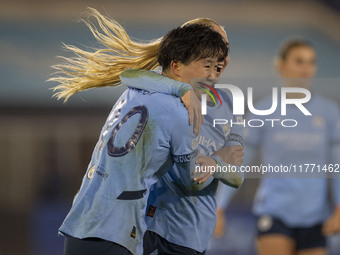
228,158
231,178
234,180
214,166
232,154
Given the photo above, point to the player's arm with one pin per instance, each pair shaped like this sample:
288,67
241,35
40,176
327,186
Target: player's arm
227,159
188,176
230,157
154,82
332,225
185,156
228,174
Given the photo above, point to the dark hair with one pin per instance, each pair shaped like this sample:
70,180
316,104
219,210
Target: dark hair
292,44
191,42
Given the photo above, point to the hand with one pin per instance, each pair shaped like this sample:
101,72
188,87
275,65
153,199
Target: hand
232,155
193,105
332,225
220,228
206,164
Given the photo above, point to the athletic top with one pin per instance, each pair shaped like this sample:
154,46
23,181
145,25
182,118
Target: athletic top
141,135
298,202
186,217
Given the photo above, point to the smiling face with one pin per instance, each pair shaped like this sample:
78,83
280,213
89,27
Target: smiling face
198,72
194,51
205,68
218,28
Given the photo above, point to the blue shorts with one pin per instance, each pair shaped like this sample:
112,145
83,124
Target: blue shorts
305,238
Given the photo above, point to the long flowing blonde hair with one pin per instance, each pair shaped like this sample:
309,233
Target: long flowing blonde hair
102,67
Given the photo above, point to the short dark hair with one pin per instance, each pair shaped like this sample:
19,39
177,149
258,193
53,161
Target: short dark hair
191,42
291,44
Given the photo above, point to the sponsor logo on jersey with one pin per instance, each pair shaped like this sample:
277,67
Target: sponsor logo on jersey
133,232
151,211
92,171
102,174
185,158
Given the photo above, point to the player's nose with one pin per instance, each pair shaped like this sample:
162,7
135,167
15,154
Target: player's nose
212,74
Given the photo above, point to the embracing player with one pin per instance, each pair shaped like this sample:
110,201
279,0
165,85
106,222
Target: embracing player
135,147
181,221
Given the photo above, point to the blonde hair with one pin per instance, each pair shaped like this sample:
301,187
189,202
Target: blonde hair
103,66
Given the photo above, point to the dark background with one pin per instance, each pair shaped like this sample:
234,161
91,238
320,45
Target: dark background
45,145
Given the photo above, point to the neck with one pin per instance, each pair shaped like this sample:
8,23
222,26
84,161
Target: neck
170,75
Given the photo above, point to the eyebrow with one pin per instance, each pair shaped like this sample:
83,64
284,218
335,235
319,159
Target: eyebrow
209,60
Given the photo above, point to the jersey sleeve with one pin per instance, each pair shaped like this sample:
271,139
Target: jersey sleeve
237,132
154,82
184,153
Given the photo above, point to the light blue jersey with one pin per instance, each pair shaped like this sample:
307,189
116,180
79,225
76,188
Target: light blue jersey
183,217
299,202
142,134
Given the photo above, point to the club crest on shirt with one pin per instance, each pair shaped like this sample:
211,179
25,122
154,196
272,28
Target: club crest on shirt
194,143
90,173
318,121
226,129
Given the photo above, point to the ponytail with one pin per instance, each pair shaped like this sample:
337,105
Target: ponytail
103,67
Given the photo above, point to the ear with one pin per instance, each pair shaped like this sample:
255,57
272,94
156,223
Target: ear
175,68
278,63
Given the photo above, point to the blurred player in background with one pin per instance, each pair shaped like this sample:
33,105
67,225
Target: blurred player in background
294,215
108,212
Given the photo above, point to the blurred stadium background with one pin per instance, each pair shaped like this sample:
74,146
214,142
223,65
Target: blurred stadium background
45,145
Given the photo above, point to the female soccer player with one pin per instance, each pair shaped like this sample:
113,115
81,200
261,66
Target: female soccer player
181,221
132,153
293,213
